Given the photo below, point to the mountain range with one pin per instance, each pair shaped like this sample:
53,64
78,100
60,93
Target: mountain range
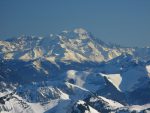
73,72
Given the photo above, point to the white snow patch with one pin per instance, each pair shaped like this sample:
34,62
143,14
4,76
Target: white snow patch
115,79
112,103
148,69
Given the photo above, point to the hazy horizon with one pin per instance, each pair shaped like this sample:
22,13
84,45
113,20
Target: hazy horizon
121,22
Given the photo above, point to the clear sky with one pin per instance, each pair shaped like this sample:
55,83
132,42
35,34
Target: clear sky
125,22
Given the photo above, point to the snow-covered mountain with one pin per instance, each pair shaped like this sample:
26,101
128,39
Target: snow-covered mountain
76,45
72,72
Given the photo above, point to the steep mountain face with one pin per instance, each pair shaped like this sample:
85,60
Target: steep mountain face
72,72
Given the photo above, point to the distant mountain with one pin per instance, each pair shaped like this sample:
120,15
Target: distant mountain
77,45
72,72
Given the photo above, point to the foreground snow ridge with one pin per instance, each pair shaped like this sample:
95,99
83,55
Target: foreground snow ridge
72,72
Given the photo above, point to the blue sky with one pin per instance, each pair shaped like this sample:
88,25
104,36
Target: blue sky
125,22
